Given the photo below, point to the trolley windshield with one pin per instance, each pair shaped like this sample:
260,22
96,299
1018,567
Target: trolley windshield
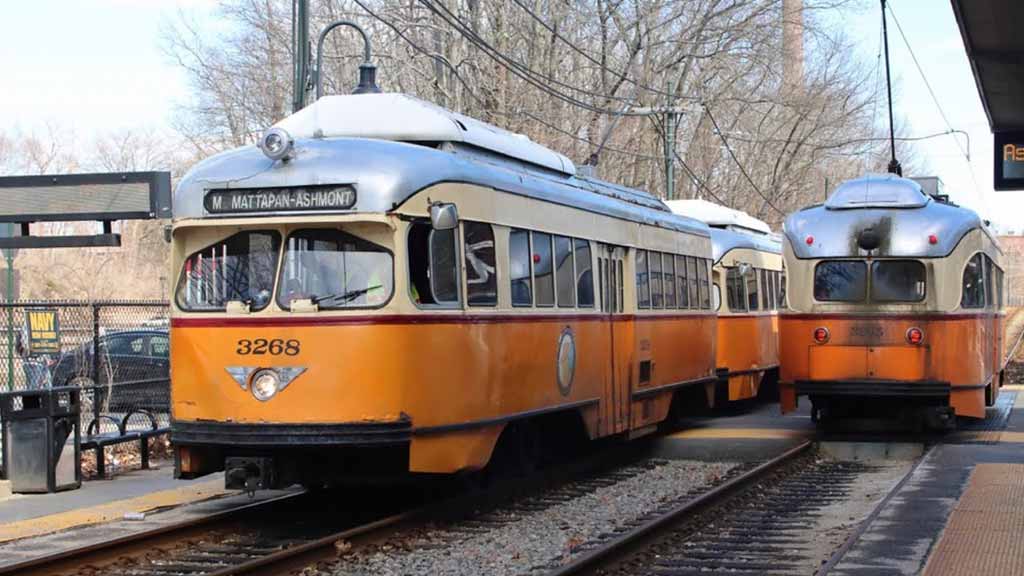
239,268
334,269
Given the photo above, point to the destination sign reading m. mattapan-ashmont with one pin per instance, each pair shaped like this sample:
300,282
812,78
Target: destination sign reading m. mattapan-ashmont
292,199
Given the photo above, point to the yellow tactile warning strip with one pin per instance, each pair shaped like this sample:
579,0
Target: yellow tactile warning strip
983,534
112,511
733,433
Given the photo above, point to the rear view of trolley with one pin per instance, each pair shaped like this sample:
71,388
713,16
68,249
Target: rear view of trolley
895,306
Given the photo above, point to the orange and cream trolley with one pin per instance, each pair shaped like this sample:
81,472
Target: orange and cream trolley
895,305
384,287
748,282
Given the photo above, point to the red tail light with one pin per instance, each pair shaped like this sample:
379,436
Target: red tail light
915,336
821,335
809,240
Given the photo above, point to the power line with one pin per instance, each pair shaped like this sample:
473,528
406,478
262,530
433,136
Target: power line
617,73
524,72
480,100
738,163
935,99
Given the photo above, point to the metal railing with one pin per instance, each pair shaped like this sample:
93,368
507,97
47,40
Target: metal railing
116,353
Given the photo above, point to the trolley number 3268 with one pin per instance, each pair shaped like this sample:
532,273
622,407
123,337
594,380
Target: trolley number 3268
262,346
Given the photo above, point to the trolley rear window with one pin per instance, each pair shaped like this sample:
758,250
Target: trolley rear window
897,281
840,281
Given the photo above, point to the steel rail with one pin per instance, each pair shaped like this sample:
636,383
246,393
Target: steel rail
616,545
48,562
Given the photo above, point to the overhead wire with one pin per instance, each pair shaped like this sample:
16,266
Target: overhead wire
950,130
532,77
536,79
739,164
480,100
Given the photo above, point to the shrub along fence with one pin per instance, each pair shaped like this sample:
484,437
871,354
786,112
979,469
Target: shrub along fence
116,353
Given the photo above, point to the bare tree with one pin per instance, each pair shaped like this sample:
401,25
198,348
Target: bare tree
569,74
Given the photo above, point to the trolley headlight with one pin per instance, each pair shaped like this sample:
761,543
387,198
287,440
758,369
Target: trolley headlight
277,144
265,383
915,336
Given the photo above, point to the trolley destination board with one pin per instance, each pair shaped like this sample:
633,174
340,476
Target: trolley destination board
1009,161
292,199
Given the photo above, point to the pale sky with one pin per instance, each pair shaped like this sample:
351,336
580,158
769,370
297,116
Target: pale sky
97,65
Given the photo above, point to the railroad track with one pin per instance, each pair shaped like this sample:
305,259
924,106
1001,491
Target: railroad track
291,532
764,522
754,518
243,540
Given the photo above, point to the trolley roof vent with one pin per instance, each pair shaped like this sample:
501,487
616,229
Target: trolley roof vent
718,216
877,191
403,118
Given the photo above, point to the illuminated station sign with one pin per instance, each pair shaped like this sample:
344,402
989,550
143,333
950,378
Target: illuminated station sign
1009,161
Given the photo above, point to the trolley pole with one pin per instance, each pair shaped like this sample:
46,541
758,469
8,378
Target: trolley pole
300,52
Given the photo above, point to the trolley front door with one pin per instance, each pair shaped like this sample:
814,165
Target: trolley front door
611,267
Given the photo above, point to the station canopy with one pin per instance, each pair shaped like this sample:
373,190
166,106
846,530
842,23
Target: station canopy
995,47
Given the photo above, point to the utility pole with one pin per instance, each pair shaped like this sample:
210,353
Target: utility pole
300,53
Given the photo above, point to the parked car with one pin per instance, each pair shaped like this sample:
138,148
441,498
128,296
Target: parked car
134,362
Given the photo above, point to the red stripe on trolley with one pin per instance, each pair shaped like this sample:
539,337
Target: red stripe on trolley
902,316
422,319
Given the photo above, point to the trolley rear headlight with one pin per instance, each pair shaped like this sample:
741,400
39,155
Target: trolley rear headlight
265,383
821,335
915,336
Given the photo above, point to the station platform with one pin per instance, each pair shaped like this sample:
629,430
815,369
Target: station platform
961,510
742,432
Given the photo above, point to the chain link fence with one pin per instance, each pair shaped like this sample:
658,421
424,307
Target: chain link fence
117,353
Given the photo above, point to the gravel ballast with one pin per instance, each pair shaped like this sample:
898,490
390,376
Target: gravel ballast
533,533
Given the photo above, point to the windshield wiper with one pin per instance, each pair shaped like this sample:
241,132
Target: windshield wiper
345,296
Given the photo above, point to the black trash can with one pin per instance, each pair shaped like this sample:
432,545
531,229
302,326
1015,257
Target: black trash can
42,439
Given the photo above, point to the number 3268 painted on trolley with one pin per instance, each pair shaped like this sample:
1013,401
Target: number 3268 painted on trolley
261,346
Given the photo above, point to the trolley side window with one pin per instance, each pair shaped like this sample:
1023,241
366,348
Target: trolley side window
782,290
519,264
973,295
989,281
657,294
334,270
734,290
840,281
752,300
240,268
543,270
481,272
691,275
670,280
682,294
565,275
897,281
643,288
584,274
705,283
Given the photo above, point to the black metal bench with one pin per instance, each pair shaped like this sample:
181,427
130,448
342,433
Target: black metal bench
94,440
